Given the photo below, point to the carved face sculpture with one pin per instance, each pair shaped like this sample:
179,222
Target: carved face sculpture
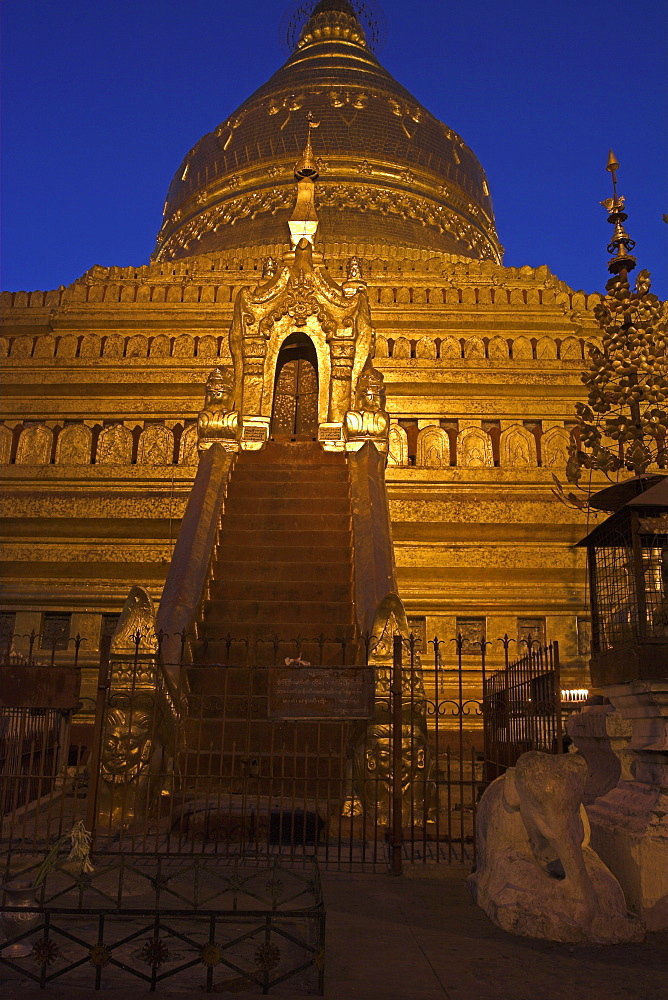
127,745
370,392
219,389
269,267
373,774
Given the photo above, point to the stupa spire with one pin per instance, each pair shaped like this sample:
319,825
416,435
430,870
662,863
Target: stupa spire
621,244
332,20
303,222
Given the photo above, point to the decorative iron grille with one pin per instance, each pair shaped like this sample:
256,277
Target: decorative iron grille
522,709
209,923
629,574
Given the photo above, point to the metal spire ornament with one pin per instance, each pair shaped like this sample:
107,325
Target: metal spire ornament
303,222
621,244
623,426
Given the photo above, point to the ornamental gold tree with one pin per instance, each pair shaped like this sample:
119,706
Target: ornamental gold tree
623,424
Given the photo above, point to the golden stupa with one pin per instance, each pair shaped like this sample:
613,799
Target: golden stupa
389,171
481,364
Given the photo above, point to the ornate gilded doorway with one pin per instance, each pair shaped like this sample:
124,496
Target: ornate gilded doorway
294,413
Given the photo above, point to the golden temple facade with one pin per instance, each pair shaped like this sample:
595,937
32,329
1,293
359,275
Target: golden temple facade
104,379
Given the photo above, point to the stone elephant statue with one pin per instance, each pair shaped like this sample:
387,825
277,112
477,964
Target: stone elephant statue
536,874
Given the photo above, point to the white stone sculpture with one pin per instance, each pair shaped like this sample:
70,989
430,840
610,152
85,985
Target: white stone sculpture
536,874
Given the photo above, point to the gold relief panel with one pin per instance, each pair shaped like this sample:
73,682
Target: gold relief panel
6,441
22,347
114,346
35,444
472,632
554,445
397,446
517,448
530,634
188,454
522,349
160,346
433,448
417,627
184,346
474,448
402,348
156,446
570,349
207,347
91,347
44,347
74,445
497,349
584,636
425,349
474,348
114,446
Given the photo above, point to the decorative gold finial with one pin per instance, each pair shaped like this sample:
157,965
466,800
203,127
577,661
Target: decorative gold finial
304,222
613,164
621,243
269,268
354,280
306,166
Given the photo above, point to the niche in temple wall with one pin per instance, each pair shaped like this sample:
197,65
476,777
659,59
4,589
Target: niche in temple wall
299,299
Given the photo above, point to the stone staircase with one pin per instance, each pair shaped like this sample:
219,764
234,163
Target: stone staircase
284,565
281,587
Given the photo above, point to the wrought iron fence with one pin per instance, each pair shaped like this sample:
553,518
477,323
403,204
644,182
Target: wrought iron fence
522,708
219,925
33,639
31,743
362,765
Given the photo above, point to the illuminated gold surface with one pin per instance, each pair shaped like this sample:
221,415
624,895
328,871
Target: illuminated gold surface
468,540
301,297
421,183
369,421
218,422
134,735
121,357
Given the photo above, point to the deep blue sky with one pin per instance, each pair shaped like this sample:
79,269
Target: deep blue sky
103,98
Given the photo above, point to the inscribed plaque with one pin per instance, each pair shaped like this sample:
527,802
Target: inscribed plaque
321,692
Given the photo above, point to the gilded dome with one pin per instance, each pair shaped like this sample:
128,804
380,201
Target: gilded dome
390,173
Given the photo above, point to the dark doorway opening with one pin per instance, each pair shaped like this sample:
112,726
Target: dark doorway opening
294,414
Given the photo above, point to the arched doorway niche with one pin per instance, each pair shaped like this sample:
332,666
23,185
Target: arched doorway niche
294,411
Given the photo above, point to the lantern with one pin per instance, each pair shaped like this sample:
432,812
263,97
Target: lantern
628,578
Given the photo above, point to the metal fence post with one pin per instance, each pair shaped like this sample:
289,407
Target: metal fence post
96,750
559,729
397,820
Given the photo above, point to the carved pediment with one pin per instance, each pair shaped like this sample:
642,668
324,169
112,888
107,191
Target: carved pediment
300,290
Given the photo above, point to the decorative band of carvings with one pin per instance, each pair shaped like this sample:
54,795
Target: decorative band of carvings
339,196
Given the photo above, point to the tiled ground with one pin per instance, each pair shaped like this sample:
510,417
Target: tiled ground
419,936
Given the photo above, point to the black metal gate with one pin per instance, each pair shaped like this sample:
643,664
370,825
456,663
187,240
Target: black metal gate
194,760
